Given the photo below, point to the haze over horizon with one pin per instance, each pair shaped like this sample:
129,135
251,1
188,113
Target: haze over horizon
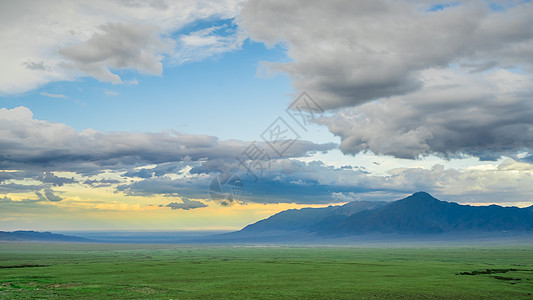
125,115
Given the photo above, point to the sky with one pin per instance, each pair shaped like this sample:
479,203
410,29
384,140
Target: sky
200,115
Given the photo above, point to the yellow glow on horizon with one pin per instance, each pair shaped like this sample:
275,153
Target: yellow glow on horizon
89,208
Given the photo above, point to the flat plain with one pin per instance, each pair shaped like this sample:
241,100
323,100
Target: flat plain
158,271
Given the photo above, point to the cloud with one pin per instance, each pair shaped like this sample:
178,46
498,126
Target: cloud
7,188
487,116
158,170
409,78
52,95
6,199
506,182
142,164
11,207
285,181
40,196
48,195
110,93
24,181
142,173
346,53
119,46
186,204
49,177
36,66
97,38
292,181
101,182
10,175
31,144
345,197
207,42
194,187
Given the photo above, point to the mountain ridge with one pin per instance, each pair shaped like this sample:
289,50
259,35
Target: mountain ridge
307,217
419,213
418,216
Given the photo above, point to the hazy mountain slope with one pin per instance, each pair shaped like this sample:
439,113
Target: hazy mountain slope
39,236
421,213
306,218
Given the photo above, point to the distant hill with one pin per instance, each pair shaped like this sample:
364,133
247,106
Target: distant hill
39,237
419,213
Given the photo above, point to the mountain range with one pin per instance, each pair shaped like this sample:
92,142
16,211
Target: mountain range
419,213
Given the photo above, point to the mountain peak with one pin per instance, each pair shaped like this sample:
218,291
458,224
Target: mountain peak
419,198
422,194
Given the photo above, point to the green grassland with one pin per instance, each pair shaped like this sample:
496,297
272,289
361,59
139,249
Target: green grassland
96,271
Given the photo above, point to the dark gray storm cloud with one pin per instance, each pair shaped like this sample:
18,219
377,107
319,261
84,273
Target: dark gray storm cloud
452,80
487,117
350,52
29,144
5,176
292,181
285,180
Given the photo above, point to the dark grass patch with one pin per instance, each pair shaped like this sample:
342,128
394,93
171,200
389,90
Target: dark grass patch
505,278
510,280
23,266
489,271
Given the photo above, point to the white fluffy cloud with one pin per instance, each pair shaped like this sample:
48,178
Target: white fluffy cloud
203,43
119,46
59,40
506,182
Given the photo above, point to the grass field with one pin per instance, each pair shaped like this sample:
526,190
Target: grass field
96,271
